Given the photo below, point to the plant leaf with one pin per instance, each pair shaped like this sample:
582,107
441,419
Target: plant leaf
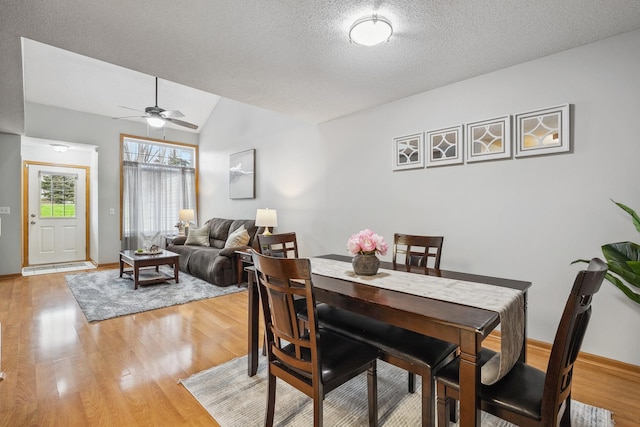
586,261
619,256
634,215
622,251
625,289
635,266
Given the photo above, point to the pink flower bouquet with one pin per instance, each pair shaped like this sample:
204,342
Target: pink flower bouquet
367,242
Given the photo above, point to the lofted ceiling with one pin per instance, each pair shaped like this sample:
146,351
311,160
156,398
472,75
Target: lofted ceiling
288,56
65,79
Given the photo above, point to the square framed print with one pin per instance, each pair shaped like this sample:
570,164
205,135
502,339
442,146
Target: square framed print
444,146
543,131
242,175
408,152
488,139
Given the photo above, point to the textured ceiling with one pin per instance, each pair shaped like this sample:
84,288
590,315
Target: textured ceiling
293,56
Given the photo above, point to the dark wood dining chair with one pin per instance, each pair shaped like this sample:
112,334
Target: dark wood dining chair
283,245
417,354
416,250
527,396
413,250
313,360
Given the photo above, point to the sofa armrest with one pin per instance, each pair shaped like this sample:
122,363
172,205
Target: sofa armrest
179,240
231,252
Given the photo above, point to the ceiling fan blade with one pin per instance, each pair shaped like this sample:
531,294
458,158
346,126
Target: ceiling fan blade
181,123
129,108
172,114
130,117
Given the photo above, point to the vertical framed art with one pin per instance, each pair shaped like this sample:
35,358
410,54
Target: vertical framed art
543,131
242,175
488,139
444,146
408,152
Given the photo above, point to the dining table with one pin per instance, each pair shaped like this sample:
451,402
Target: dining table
464,325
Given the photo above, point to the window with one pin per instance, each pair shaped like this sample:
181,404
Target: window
57,195
158,180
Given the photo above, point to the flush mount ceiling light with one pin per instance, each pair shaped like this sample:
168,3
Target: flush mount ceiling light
370,30
60,148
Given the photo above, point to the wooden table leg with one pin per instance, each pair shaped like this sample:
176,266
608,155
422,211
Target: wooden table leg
239,270
136,275
253,325
175,270
121,265
523,352
470,345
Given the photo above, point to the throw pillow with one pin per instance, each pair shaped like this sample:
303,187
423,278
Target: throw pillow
198,236
240,237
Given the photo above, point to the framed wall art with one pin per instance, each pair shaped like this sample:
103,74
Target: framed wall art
543,131
408,152
488,139
444,146
242,175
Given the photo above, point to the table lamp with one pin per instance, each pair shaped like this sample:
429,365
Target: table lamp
266,218
185,216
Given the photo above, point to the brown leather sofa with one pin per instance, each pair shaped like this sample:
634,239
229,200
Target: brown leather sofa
214,263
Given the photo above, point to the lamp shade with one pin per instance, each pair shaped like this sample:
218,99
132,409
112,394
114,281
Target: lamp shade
186,215
266,218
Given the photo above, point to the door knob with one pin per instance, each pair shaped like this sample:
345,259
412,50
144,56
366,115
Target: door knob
33,222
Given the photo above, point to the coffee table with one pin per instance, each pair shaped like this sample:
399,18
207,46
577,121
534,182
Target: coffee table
137,261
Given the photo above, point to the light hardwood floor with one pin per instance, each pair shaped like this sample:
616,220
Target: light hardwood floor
63,371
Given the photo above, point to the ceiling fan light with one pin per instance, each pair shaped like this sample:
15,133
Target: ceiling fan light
370,30
155,121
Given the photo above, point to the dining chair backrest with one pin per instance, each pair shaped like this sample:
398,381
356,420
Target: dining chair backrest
280,281
569,336
411,250
283,245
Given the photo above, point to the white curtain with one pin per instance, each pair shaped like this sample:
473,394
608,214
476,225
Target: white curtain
153,195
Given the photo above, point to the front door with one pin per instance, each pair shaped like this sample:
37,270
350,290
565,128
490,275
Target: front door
57,213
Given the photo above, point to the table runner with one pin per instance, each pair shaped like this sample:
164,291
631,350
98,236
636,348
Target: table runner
507,302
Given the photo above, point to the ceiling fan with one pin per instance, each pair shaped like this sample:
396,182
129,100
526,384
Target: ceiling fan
157,117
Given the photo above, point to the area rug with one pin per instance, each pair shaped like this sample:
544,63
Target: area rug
235,399
104,295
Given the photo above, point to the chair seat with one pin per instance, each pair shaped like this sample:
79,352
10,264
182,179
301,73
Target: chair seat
341,356
413,347
507,393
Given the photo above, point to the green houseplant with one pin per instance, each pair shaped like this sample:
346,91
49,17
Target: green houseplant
623,259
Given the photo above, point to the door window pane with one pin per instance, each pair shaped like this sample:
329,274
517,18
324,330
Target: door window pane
57,195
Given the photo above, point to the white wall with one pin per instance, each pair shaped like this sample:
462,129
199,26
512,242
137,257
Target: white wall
10,196
521,218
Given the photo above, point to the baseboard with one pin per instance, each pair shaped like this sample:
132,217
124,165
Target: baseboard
598,362
109,265
10,276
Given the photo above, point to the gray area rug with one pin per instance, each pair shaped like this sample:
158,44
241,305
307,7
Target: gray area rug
103,294
235,399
